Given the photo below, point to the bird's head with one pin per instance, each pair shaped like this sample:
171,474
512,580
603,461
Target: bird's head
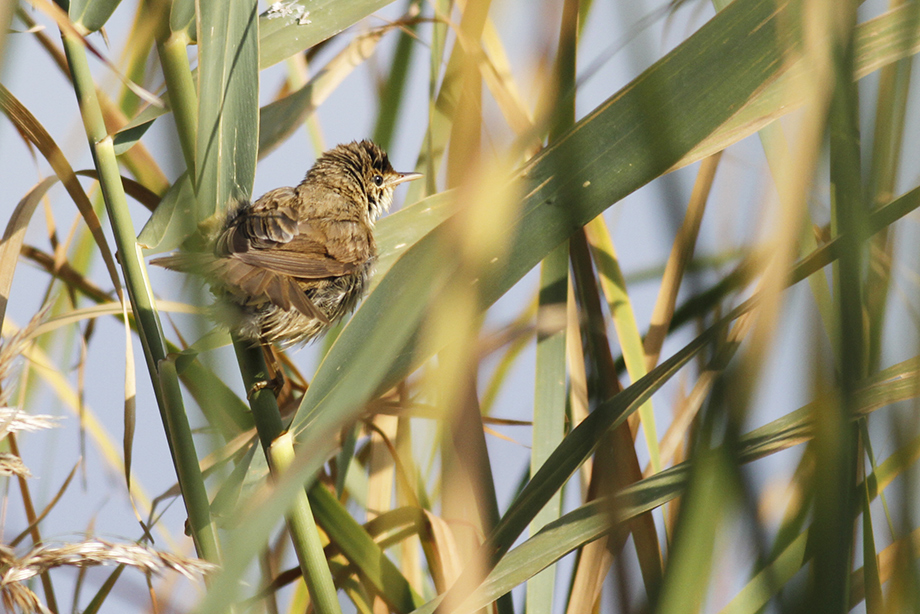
362,170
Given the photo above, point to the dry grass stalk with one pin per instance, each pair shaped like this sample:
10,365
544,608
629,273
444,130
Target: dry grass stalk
10,464
16,570
18,597
13,420
95,552
12,348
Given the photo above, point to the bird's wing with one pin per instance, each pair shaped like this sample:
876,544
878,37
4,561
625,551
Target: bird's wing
268,248
268,222
269,235
297,264
250,282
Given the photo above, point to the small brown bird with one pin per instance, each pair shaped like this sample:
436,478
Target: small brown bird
287,266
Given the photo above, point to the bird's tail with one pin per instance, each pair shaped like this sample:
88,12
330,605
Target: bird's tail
186,262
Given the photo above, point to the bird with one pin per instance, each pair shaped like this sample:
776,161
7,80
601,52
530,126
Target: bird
288,266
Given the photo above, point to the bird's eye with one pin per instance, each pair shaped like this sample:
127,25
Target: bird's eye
378,180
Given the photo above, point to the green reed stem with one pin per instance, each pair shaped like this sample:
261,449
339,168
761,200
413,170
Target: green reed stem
165,382
278,446
183,98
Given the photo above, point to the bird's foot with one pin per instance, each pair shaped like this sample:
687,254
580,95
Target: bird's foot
276,384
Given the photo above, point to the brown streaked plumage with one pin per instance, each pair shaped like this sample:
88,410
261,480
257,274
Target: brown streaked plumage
287,266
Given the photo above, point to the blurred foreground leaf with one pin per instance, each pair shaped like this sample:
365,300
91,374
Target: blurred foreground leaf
629,140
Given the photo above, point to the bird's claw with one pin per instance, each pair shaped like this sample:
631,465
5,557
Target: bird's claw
276,384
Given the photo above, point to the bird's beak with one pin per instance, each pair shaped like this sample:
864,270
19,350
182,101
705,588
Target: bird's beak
404,177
